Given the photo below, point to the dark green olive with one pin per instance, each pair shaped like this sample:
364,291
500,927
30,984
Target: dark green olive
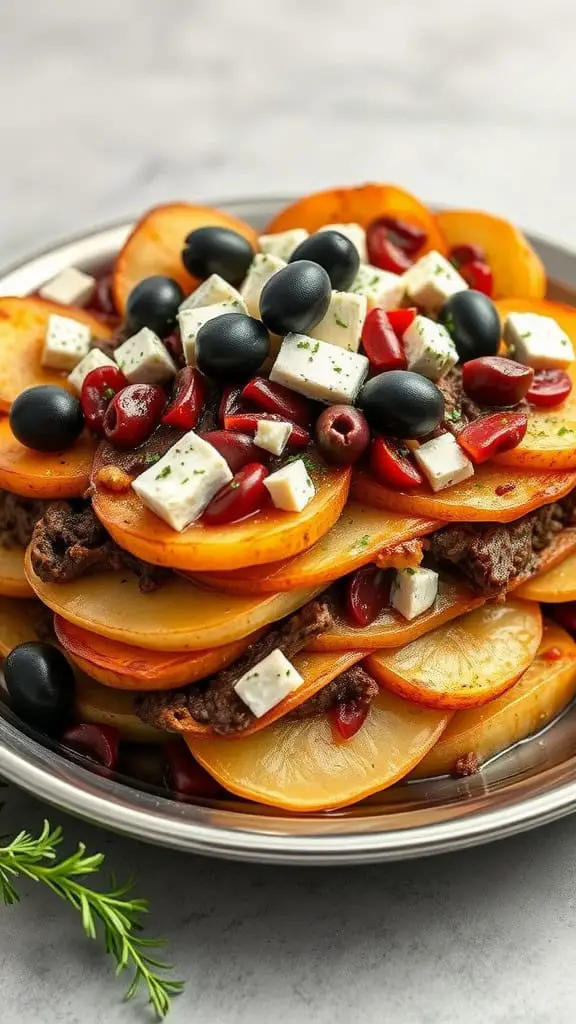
296,298
400,403
472,321
46,418
214,250
41,686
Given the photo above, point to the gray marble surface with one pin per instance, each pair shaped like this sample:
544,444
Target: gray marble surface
107,107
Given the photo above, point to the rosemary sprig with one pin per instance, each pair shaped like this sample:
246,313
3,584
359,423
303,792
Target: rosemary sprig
35,857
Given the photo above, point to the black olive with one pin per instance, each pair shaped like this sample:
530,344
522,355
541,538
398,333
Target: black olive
232,345
47,418
472,321
295,298
41,686
333,251
400,403
217,251
154,303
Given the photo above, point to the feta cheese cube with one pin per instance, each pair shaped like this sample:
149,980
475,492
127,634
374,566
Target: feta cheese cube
269,682
290,487
413,591
380,287
92,361
262,268
191,320
143,359
355,233
70,287
282,244
212,291
429,348
537,341
343,322
431,281
272,435
183,482
319,370
66,342
443,462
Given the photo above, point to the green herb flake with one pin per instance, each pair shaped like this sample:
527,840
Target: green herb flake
411,572
164,473
341,323
198,472
150,458
303,344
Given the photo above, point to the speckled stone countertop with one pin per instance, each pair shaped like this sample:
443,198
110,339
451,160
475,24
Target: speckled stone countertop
108,108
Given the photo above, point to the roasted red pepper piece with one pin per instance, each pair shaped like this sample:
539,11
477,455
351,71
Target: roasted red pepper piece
245,421
188,397
493,380
490,435
407,237
460,254
390,462
549,388
367,593
98,389
184,775
230,403
349,717
381,343
478,275
238,449
400,320
241,497
98,742
277,399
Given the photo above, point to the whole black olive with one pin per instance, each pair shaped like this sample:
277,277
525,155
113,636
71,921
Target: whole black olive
296,298
333,251
40,683
400,403
472,321
154,303
217,251
46,418
232,345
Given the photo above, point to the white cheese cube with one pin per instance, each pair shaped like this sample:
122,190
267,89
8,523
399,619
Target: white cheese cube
262,268
183,482
343,322
443,462
431,281
537,341
269,682
212,291
290,487
319,370
272,435
93,361
70,287
143,359
191,320
283,244
380,287
429,348
66,342
413,591
355,233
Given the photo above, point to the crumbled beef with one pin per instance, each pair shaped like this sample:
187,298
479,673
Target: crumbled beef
353,685
494,555
69,541
467,764
459,408
215,701
17,518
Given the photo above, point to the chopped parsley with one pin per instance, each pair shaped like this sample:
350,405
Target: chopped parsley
150,458
164,473
341,323
198,472
410,571
303,344
108,393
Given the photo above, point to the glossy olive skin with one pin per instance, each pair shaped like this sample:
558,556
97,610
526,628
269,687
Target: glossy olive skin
232,346
296,298
403,404
154,303
333,251
472,321
46,418
342,434
41,686
217,251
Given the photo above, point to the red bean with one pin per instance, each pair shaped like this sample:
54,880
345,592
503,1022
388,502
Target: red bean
390,463
342,434
133,414
103,300
367,594
460,254
238,449
549,388
241,497
493,380
230,404
184,775
490,435
349,717
98,389
478,276
245,421
383,253
381,343
98,742
407,237
187,400
275,398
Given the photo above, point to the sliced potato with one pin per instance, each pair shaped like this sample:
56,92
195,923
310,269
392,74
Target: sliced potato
13,582
554,586
104,706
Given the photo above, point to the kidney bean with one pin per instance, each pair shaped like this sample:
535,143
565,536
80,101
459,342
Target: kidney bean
549,388
98,742
478,276
241,497
133,414
245,421
187,400
407,237
460,254
493,380
184,775
275,398
98,389
367,594
349,717
238,449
